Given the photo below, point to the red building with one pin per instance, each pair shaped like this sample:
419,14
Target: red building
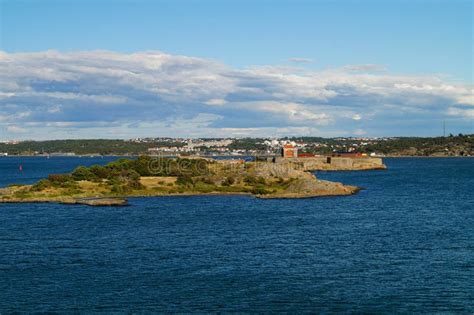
306,155
289,151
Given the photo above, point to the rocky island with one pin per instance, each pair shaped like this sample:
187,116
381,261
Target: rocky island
147,176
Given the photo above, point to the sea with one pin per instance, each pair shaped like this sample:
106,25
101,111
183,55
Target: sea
404,244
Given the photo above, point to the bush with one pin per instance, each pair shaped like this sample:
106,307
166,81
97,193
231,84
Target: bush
73,191
142,165
69,185
122,164
124,181
208,180
99,171
229,181
117,188
259,190
41,185
203,187
251,180
82,173
184,180
133,184
59,179
229,189
129,175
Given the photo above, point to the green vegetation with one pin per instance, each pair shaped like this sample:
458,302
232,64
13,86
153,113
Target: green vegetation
453,145
123,176
83,147
229,181
146,176
460,145
416,146
248,144
149,176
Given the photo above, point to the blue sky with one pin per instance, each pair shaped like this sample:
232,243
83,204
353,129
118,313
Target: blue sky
374,68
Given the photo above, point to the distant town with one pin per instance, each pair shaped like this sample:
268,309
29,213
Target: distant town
453,145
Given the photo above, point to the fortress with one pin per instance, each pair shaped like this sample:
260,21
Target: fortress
324,163
335,162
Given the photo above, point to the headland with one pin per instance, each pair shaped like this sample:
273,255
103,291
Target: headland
110,185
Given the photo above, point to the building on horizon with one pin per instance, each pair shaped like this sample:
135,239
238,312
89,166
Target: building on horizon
289,151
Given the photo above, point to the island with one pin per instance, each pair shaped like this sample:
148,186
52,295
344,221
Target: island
112,184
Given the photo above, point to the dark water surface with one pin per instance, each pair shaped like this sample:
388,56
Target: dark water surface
405,244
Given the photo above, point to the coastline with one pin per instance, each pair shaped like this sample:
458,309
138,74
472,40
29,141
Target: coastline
122,200
119,180
212,156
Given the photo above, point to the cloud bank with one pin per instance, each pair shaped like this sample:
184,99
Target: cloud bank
106,94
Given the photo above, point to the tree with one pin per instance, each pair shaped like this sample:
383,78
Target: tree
229,181
99,171
82,173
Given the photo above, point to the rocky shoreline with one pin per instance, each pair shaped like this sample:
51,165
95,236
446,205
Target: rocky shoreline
97,202
326,188
265,180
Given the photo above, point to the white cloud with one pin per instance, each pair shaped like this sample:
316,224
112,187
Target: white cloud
467,99
6,95
289,111
356,117
216,102
16,129
467,113
103,91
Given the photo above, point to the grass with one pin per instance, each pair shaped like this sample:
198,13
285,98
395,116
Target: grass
152,185
243,178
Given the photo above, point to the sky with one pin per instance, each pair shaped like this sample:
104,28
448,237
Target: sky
124,69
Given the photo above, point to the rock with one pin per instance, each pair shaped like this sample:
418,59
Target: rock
335,163
102,202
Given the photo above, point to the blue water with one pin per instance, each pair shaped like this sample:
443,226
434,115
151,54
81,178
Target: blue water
404,244
36,168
